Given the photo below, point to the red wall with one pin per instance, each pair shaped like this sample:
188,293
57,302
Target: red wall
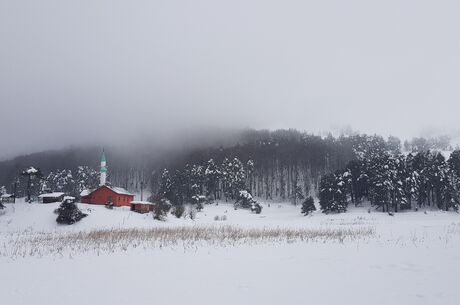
103,194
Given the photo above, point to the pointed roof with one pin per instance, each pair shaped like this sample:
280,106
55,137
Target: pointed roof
103,157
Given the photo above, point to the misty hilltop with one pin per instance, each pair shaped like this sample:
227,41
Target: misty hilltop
82,73
279,159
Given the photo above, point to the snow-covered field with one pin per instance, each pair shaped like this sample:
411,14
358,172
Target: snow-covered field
411,258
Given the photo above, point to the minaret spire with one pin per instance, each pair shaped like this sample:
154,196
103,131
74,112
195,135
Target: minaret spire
103,169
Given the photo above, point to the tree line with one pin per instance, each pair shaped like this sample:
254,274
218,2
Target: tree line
31,182
392,181
274,165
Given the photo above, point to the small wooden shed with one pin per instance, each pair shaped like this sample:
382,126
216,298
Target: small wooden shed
7,198
51,197
142,206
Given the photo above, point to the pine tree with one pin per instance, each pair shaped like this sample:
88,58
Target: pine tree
226,170
59,181
333,196
308,206
165,189
454,172
400,178
32,174
181,188
161,209
246,201
86,178
69,213
249,174
357,181
212,176
233,178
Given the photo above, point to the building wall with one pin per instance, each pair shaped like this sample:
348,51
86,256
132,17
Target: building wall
8,200
52,199
142,208
104,195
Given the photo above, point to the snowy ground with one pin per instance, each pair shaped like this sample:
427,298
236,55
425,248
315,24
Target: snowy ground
412,258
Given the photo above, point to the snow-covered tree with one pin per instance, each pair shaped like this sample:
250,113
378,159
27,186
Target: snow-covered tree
68,213
33,176
2,190
165,190
246,201
59,181
233,175
357,181
332,195
212,177
86,178
161,209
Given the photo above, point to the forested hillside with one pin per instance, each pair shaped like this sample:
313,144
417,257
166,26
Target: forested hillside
282,164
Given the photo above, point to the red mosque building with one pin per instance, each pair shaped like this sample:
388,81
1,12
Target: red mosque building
104,194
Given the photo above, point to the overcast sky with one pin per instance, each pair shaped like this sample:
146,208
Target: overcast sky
75,72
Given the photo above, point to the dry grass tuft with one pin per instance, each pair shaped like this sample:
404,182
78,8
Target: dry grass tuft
26,243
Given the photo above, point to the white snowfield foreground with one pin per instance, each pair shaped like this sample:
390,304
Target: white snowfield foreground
277,257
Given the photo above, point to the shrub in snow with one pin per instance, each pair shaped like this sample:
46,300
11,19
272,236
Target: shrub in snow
256,208
200,200
224,218
1,206
246,201
69,213
245,198
161,209
308,206
216,218
192,213
178,211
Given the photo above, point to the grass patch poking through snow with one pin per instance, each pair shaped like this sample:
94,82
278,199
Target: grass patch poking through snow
34,244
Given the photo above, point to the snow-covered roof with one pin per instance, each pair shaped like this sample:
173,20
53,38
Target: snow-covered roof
51,195
141,202
120,190
116,189
7,195
85,193
69,198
